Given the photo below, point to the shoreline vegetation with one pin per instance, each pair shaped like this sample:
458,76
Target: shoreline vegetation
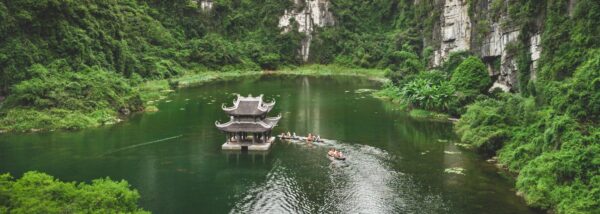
147,93
37,192
68,65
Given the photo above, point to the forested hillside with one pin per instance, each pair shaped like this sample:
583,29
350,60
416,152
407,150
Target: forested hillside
68,64
76,64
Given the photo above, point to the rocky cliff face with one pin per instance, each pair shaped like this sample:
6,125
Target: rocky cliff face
494,47
206,5
457,34
455,30
536,50
308,14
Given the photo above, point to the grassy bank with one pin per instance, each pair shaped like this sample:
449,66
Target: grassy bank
333,70
393,95
65,105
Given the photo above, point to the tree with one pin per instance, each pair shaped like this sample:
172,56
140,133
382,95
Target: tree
37,192
471,75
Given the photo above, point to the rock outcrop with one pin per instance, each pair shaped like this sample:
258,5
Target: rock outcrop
535,50
494,47
206,5
455,30
313,13
457,34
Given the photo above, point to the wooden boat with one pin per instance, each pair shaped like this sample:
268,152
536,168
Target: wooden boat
288,138
337,157
313,140
298,138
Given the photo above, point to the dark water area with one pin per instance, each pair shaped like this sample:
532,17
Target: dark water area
395,164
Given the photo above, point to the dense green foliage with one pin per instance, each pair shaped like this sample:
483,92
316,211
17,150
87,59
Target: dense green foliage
72,64
389,38
550,138
471,75
556,157
549,132
41,193
429,91
135,40
57,98
463,79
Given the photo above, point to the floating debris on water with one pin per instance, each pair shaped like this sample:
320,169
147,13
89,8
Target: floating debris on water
455,170
182,109
425,152
493,160
442,140
464,145
346,91
451,153
168,101
151,109
364,90
187,99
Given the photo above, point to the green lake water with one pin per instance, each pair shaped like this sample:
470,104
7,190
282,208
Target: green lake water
173,157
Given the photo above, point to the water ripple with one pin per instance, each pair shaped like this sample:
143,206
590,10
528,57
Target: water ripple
364,183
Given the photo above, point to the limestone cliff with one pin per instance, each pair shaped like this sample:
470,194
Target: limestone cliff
308,14
455,30
206,4
490,40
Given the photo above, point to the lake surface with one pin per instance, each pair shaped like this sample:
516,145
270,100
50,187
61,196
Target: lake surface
173,157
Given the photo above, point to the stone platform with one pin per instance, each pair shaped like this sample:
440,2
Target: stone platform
239,146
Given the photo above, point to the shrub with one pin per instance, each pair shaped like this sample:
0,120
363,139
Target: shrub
213,51
403,64
471,74
422,93
269,61
454,59
555,156
88,90
579,95
37,192
59,99
483,126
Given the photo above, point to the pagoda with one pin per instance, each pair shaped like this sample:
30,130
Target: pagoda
248,128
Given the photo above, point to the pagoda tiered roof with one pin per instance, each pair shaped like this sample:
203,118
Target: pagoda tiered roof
249,106
249,126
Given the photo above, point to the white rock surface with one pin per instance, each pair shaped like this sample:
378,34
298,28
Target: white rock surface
206,5
536,50
456,28
314,14
455,35
495,43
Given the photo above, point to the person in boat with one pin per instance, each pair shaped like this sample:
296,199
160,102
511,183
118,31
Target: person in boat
318,138
338,154
294,136
288,135
310,137
331,152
